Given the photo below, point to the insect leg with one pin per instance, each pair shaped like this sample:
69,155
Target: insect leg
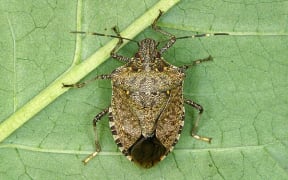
195,62
97,145
172,39
113,52
194,130
80,85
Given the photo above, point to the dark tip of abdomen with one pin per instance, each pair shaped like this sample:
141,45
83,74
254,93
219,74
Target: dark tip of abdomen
147,151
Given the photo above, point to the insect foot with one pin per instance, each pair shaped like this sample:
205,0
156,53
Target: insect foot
146,115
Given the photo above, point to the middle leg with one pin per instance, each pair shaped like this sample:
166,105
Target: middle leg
82,84
195,62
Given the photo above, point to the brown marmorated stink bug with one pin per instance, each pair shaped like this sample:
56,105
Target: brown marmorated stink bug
146,114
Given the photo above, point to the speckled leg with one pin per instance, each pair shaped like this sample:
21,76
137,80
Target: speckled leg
156,28
194,130
195,62
82,84
113,52
97,144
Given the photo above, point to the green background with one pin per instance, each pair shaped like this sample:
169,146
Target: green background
243,91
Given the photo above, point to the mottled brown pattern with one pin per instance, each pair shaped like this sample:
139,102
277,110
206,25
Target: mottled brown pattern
147,107
146,101
171,119
124,120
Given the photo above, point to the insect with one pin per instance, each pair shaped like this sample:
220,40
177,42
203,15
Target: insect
146,114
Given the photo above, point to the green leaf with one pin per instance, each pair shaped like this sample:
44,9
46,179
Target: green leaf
243,91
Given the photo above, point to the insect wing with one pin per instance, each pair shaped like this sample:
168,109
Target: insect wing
124,123
171,121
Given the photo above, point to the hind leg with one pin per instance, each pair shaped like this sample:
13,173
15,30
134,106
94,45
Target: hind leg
195,127
97,145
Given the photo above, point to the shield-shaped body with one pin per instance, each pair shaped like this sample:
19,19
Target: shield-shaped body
147,109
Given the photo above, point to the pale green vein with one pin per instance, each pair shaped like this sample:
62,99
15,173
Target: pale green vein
78,71
77,54
56,151
106,153
14,65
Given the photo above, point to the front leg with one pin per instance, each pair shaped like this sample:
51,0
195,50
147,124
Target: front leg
113,52
156,28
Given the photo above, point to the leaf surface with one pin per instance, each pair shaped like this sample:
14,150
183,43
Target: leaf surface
243,91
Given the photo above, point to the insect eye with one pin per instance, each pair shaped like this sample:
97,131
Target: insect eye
160,68
134,68
137,55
